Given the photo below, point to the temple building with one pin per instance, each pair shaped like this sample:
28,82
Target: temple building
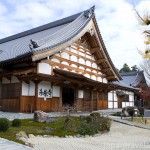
63,63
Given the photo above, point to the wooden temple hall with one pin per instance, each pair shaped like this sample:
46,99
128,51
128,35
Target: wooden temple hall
63,63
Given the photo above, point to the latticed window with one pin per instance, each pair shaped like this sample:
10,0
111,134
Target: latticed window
10,91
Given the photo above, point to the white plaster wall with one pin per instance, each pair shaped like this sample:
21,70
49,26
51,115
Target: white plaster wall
94,71
25,89
73,71
65,63
88,69
88,63
73,65
88,53
115,96
131,97
87,75
73,50
74,58
110,96
93,77
44,68
31,89
80,93
55,60
94,65
81,61
57,54
65,55
14,79
105,80
44,86
99,79
110,104
88,56
115,104
81,54
80,67
131,104
56,91
5,80
123,104
65,69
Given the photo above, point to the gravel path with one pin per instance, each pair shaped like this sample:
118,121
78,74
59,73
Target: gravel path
9,145
120,137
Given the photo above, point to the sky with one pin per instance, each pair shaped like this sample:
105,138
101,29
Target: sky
122,34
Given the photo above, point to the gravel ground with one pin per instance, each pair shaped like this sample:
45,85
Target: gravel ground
120,137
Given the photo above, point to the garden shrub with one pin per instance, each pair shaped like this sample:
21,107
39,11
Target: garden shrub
16,123
88,119
94,124
86,129
4,124
95,116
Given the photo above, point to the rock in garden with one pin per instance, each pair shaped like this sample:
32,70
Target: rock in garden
48,129
40,116
50,119
23,139
21,134
31,136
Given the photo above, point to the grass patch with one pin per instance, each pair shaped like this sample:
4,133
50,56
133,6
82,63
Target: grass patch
37,128
140,120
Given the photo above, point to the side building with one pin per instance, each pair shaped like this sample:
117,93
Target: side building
63,63
137,80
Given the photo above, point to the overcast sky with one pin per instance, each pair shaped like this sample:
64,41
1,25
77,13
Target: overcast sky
117,21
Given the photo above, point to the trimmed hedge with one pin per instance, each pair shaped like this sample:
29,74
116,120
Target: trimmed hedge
16,123
4,124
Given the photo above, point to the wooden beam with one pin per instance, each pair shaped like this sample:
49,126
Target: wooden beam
93,50
106,69
100,60
110,77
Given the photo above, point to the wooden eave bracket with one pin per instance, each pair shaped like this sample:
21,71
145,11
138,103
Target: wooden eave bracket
110,77
106,69
100,61
93,50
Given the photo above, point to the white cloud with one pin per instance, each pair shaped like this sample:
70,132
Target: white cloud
117,21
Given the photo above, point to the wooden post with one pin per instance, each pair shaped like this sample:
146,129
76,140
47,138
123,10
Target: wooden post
91,100
20,98
60,98
36,95
97,99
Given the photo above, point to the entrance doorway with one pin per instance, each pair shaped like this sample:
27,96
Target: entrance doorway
68,96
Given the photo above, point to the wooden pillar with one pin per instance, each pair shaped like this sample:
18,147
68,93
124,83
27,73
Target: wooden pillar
91,100
97,99
36,96
60,99
20,98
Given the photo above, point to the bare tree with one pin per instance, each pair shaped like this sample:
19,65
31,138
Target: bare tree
144,19
145,66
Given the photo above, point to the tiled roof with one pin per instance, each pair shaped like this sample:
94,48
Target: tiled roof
131,79
47,36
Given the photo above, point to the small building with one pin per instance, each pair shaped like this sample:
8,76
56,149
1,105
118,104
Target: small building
63,63
137,79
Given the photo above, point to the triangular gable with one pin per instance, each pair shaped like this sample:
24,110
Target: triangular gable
91,32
